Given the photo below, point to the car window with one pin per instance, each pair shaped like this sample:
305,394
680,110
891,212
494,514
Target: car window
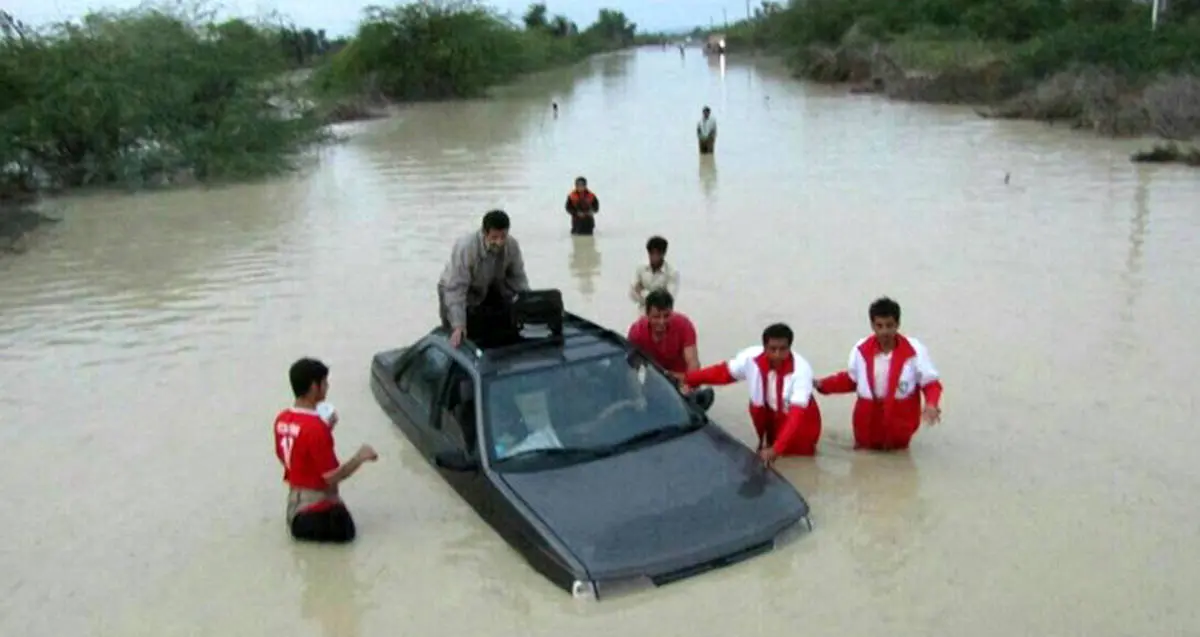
423,377
591,403
457,409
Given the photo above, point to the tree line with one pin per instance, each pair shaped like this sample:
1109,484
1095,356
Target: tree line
159,95
1038,37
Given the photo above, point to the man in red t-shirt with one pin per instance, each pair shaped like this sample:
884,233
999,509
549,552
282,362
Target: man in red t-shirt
304,446
668,338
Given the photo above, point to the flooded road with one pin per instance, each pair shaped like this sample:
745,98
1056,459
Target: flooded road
144,345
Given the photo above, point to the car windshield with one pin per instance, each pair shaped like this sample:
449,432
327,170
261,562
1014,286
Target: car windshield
581,410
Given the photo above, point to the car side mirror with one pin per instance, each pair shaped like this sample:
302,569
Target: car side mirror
455,460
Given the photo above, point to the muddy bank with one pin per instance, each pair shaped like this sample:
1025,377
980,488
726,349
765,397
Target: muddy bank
1085,98
870,69
17,222
1169,154
354,110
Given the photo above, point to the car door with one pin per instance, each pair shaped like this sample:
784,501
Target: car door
417,385
456,413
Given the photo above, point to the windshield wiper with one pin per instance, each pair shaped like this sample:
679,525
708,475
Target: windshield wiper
560,452
656,435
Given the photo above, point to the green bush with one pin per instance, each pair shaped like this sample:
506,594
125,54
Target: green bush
438,50
122,98
1046,35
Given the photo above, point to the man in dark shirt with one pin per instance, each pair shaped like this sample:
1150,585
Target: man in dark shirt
669,338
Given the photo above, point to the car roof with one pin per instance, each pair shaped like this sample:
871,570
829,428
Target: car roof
580,339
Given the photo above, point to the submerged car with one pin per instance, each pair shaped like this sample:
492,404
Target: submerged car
584,455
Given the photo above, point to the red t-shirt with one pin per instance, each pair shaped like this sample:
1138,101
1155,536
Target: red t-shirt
304,446
668,352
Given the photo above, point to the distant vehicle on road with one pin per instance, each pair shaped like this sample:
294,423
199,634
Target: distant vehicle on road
583,455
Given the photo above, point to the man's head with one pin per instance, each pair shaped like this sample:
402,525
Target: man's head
777,341
659,306
885,320
656,248
706,112
310,380
495,229
580,185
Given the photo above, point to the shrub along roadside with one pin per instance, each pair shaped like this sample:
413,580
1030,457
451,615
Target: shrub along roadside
143,97
438,50
140,98
1095,64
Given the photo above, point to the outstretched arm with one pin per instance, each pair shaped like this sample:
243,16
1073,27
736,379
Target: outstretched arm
843,382
723,373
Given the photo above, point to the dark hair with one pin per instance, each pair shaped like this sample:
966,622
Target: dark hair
496,220
656,244
581,180
883,307
306,372
776,331
659,299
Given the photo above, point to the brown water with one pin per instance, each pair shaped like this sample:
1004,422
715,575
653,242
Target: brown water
145,343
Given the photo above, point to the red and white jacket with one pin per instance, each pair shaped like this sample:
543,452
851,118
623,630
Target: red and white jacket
889,388
781,400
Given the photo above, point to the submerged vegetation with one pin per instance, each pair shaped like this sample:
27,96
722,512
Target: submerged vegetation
163,95
1094,64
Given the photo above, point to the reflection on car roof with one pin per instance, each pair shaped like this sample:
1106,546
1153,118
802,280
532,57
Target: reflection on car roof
537,348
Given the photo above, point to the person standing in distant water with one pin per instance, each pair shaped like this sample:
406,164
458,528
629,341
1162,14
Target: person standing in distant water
583,206
669,339
304,446
554,106
658,275
890,373
485,272
706,131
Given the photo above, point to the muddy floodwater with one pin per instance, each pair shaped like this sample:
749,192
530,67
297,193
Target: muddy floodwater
144,344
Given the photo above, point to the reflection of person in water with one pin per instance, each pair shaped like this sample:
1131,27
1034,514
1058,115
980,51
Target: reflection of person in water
888,514
584,263
708,175
333,596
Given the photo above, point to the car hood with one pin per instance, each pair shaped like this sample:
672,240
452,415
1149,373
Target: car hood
662,508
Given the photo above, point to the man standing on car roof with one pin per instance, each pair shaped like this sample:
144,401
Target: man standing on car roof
782,406
890,373
304,446
669,338
486,269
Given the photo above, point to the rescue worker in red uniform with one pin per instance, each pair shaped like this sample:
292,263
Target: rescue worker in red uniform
890,373
783,409
583,206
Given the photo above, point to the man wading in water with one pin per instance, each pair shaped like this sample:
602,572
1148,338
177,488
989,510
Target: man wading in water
304,446
583,206
656,275
706,131
485,272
